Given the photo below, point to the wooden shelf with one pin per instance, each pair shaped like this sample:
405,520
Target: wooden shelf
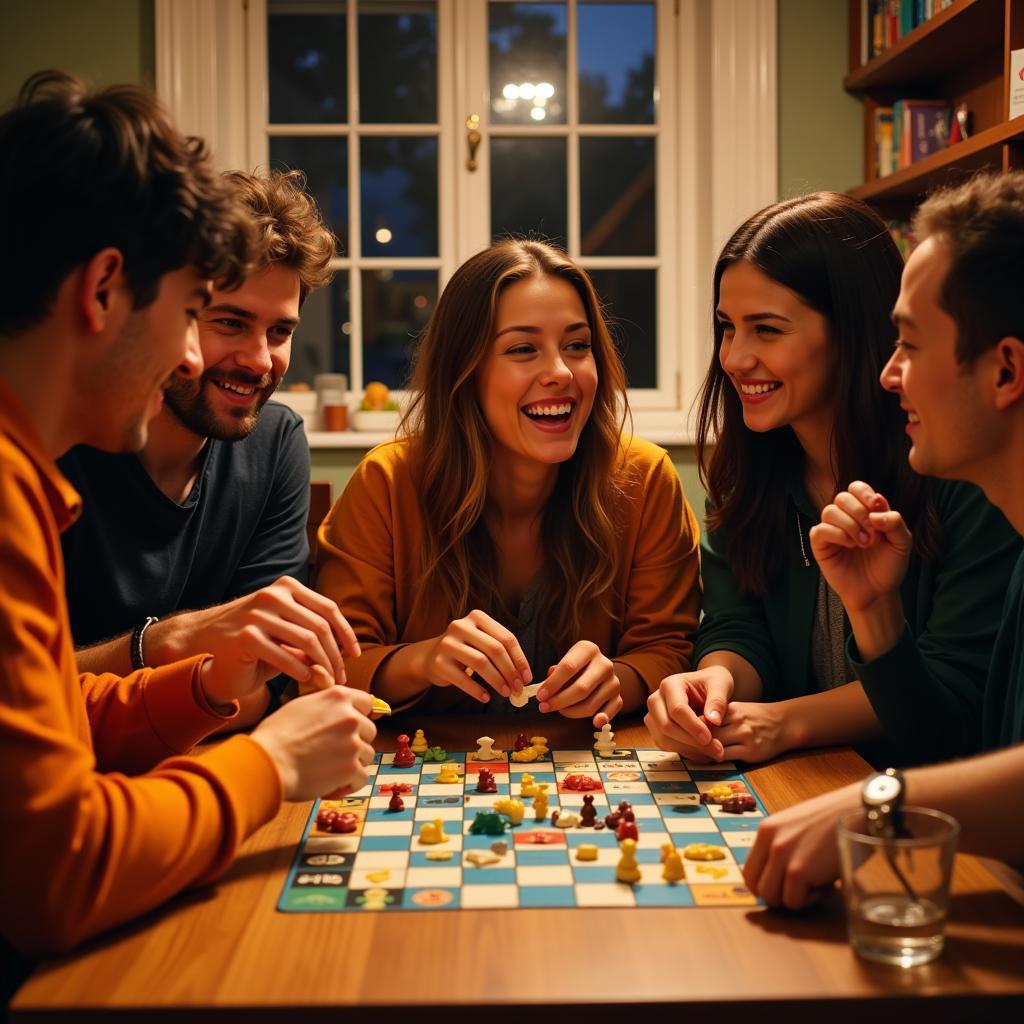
909,183
951,39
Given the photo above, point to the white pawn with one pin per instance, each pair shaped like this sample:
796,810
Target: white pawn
605,744
485,749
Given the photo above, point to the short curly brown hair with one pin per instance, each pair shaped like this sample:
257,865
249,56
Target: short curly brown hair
289,225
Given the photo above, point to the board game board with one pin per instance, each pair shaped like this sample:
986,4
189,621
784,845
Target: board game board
383,865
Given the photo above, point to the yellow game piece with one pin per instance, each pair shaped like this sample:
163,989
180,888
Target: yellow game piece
710,869
379,707
438,854
512,809
432,833
481,858
627,870
673,870
526,786
378,876
419,742
376,899
667,849
526,754
586,852
449,773
540,801
703,851
540,744
719,792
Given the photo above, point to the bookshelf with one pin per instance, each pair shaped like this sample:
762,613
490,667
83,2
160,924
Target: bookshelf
961,55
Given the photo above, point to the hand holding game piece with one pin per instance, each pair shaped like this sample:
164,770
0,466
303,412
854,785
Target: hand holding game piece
605,740
583,685
521,699
756,731
674,712
320,743
477,649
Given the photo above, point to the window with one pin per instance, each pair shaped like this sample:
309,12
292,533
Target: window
598,126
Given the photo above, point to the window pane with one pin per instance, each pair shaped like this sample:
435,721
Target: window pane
630,296
397,62
396,307
321,341
617,197
616,63
324,161
528,188
527,63
306,63
399,196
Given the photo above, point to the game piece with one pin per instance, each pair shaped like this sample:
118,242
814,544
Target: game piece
379,707
449,773
500,847
521,742
703,851
581,783
526,786
738,803
710,869
396,787
488,823
419,742
527,754
378,876
439,854
612,819
404,757
512,809
540,802
627,870
485,782
565,819
396,803
432,832
626,828
716,794
586,851
605,744
540,744
330,819
375,899
435,754
588,813
481,858
666,850
673,870
521,699
485,750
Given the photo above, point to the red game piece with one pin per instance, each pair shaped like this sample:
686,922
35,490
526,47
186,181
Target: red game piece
485,782
739,803
588,813
581,783
612,820
627,828
330,819
396,787
396,803
404,757
522,741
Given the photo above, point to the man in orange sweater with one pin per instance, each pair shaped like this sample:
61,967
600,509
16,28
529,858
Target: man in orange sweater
114,227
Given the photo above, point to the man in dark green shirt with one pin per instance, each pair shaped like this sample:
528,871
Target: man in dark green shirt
958,368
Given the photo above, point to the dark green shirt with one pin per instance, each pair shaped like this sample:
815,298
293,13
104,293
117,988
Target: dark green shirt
927,691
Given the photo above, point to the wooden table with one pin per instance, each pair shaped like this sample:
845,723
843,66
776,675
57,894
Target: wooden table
225,952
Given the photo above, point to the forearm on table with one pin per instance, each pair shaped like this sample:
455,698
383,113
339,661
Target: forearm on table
837,716
746,679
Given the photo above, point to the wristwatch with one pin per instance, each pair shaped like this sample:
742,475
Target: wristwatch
882,797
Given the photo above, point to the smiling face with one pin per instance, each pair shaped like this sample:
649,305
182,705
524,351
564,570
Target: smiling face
536,383
951,426
776,352
246,337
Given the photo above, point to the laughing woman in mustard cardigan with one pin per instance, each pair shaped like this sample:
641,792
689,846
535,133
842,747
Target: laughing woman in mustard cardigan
513,535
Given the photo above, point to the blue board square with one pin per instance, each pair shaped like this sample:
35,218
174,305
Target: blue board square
740,853
673,787
547,896
602,838
383,814
677,895
592,873
648,856
531,858
384,842
488,876
738,824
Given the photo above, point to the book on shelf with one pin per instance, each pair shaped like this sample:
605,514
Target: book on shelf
883,23
908,131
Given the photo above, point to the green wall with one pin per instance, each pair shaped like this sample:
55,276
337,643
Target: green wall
820,126
103,41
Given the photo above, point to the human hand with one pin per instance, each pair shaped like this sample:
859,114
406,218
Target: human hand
795,856
284,627
582,685
477,647
321,743
862,547
674,712
754,731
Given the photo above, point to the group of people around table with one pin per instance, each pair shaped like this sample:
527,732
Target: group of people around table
853,585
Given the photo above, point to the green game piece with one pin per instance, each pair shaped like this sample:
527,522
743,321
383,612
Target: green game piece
435,754
488,823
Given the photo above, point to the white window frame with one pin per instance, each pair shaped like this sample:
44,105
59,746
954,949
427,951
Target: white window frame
718,116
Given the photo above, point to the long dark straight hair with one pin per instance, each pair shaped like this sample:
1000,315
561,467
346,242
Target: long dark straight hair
837,255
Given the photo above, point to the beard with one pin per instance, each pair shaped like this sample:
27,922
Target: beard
188,400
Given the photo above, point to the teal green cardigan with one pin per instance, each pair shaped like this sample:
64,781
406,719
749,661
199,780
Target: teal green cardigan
928,690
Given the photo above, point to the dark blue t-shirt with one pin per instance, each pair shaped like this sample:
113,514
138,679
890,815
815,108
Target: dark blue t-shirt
134,552
1004,695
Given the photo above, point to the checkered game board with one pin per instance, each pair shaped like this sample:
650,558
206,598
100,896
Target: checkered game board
382,866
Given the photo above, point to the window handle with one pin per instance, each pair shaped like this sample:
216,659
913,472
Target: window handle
473,138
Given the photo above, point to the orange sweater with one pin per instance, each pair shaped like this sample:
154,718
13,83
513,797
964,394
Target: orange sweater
368,561
80,850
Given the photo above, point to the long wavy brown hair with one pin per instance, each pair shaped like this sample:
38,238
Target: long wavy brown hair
838,256
452,445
